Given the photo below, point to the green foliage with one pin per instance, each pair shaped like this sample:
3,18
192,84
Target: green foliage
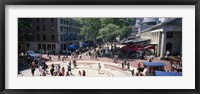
23,26
107,28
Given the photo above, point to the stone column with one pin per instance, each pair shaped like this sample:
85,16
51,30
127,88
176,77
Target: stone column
163,44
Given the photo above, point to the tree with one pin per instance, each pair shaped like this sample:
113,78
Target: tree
90,27
109,32
23,31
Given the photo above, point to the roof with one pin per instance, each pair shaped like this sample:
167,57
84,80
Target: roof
168,22
137,40
153,64
163,73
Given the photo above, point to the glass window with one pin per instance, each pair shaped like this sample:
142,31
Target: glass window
169,34
38,28
61,21
52,19
38,37
43,19
37,20
43,28
52,37
52,28
39,46
61,38
44,37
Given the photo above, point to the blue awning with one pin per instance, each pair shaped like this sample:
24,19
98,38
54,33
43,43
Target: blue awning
73,46
153,64
34,55
163,73
85,45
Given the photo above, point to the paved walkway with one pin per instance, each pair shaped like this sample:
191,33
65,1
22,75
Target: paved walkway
108,68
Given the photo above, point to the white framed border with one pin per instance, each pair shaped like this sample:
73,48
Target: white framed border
186,12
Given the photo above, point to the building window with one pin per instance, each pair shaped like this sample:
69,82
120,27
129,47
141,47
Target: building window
52,37
38,37
151,23
169,34
61,38
37,20
43,19
44,37
61,45
43,28
38,28
52,20
61,29
52,28
48,46
169,47
61,21
39,46
27,46
53,47
44,46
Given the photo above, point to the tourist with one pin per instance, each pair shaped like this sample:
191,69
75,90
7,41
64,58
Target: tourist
99,67
139,65
132,72
60,74
58,57
74,63
63,71
50,58
59,67
128,65
69,68
122,66
84,73
66,56
67,73
63,59
79,72
33,68
167,53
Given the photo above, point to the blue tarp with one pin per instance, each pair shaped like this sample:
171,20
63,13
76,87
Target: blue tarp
34,55
153,64
72,46
163,73
85,45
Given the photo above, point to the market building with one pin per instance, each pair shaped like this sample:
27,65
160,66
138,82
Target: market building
165,34
53,34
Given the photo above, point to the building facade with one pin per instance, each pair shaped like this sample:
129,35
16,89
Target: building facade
166,36
53,34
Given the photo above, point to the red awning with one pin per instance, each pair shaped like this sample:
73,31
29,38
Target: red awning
150,47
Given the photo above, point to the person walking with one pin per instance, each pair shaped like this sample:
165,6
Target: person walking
132,72
63,71
84,73
128,65
33,68
99,67
52,70
79,73
59,57
69,68
122,66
